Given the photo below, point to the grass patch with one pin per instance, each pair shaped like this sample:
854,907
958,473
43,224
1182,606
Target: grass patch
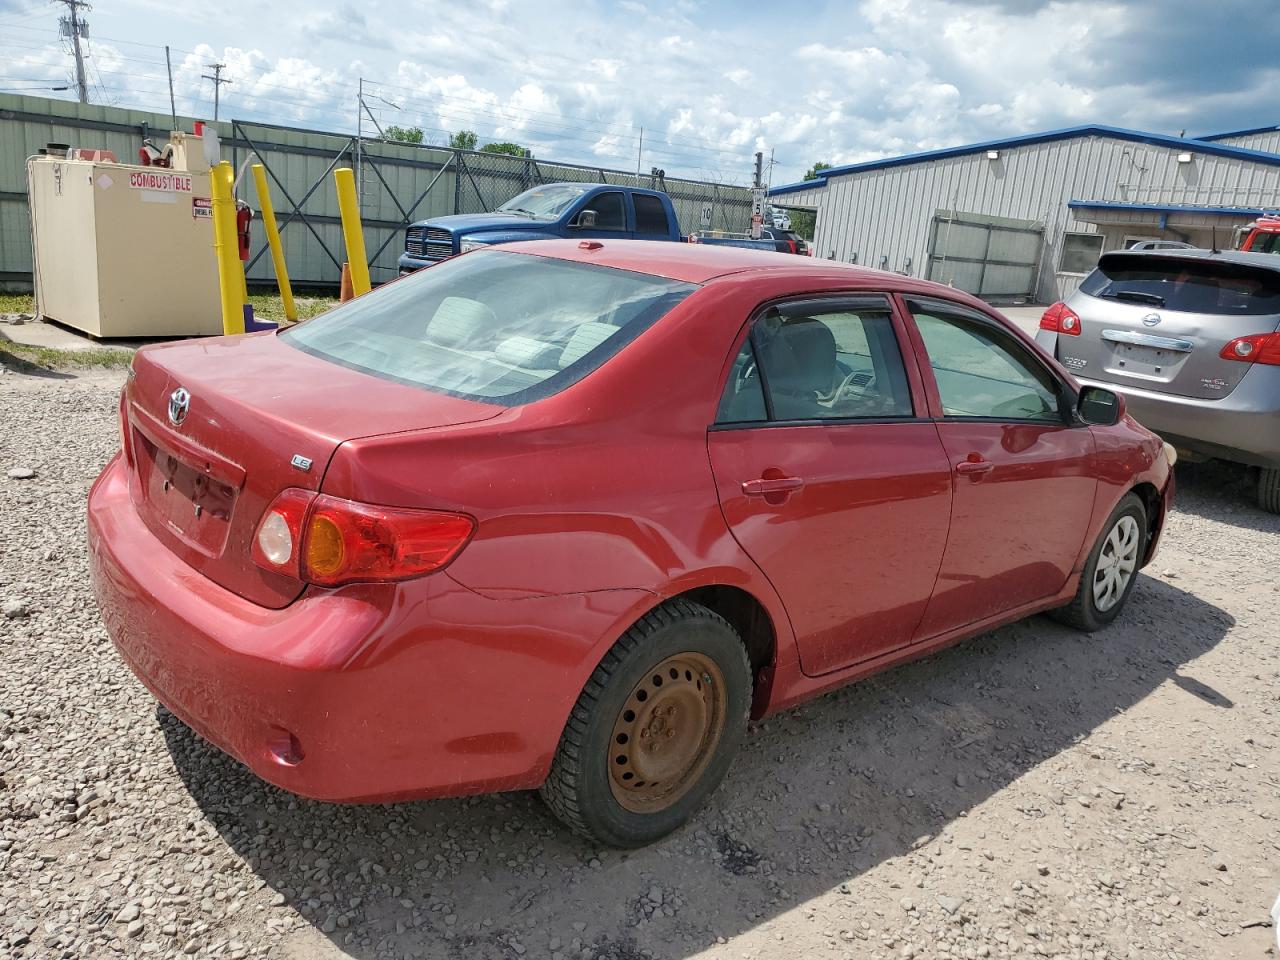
17,303
25,358
268,306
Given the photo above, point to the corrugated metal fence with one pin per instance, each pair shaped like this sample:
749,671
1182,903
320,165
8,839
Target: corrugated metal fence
399,182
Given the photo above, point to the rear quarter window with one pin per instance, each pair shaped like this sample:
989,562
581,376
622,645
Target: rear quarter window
651,214
1188,286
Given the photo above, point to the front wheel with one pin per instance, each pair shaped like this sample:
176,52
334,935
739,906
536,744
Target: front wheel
1111,570
655,728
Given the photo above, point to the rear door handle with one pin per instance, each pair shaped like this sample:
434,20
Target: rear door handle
974,467
758,488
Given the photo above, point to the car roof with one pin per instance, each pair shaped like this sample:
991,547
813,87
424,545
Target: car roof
1244,258
700,263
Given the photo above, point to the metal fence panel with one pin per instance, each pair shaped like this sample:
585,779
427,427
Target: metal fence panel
399,182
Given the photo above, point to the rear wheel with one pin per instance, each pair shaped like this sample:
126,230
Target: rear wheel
655,728
1269,489
1111,570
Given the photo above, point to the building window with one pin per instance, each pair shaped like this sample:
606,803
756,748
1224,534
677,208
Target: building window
1080,252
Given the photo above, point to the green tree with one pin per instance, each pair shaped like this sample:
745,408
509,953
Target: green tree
510,149
803,222
405,134
464,140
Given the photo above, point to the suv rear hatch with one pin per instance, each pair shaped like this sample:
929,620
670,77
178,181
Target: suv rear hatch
261,416
1159,320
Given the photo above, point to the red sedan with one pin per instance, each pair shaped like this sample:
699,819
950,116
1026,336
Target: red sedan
564,515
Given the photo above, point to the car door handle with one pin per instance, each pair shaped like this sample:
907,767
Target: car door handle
761,487
971,468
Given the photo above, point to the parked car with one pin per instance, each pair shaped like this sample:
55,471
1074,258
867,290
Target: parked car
563,515
1192,339
582,211
781,219
785,241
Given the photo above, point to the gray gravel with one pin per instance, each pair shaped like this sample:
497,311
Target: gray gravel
1033,792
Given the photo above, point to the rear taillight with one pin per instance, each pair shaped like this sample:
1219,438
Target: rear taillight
1061,319
330,541
1257,348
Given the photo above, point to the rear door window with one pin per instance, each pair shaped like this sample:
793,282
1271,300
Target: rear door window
816,361
1189,286
651,215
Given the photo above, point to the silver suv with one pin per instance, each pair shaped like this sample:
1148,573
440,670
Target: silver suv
1192,340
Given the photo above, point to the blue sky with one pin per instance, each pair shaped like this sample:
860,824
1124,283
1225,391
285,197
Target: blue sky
709,82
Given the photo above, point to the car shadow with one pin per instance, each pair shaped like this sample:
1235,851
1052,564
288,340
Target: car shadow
819,795
1226,492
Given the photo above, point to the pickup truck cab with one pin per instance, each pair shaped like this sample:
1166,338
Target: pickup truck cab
550,211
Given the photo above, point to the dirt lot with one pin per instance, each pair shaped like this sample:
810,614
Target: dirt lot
1033,792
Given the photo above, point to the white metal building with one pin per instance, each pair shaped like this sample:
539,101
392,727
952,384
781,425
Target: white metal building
1026,218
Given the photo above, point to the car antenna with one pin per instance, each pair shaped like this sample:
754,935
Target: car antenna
1213,234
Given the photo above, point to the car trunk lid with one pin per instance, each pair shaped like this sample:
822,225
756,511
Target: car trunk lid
1159,321
260,416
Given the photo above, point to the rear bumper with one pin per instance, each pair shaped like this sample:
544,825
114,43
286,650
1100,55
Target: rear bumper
1243,426
391,691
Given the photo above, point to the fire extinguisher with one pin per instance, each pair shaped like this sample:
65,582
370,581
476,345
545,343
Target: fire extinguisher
243,217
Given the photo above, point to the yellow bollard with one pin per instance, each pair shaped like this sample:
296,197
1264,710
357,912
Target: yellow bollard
349,206
230,273
268,214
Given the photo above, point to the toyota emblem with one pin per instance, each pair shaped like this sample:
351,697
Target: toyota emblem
179,404
1151,319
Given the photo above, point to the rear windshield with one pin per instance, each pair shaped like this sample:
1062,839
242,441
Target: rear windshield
493,326
1189,286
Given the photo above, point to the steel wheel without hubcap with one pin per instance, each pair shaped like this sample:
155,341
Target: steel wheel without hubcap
1116,563
667,733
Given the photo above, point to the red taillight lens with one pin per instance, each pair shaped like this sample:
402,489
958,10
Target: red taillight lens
330,541
1061,319
1258,348
125,442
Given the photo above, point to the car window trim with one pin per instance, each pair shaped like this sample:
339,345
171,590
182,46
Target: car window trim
1065,393
883,300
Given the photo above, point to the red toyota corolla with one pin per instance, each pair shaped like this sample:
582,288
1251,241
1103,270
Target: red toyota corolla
565,514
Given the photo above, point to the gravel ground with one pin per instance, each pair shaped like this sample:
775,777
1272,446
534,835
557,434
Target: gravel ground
1033,792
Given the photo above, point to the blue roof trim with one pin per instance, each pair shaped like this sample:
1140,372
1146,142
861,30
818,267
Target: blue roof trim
1160,208
1238,133
1048,136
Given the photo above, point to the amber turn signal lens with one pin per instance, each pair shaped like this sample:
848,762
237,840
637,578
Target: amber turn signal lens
325,551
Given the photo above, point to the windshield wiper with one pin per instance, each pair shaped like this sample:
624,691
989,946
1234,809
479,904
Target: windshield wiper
527,213
1135,296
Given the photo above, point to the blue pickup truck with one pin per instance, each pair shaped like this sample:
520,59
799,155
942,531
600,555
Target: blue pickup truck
586,210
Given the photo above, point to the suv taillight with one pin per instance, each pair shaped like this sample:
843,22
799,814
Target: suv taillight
329,541
1061,319
1257,348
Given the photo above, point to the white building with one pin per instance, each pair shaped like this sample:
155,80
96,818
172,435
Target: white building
1026,218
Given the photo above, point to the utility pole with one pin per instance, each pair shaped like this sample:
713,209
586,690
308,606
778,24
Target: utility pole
639,153
74,28
757,199
173,106
217,69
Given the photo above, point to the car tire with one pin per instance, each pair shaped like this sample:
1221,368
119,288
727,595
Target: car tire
655,728
1111,570
1269,489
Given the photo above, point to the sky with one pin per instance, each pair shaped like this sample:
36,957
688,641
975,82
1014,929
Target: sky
709,82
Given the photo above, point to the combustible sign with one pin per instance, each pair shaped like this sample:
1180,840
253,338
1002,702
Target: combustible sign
147,180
